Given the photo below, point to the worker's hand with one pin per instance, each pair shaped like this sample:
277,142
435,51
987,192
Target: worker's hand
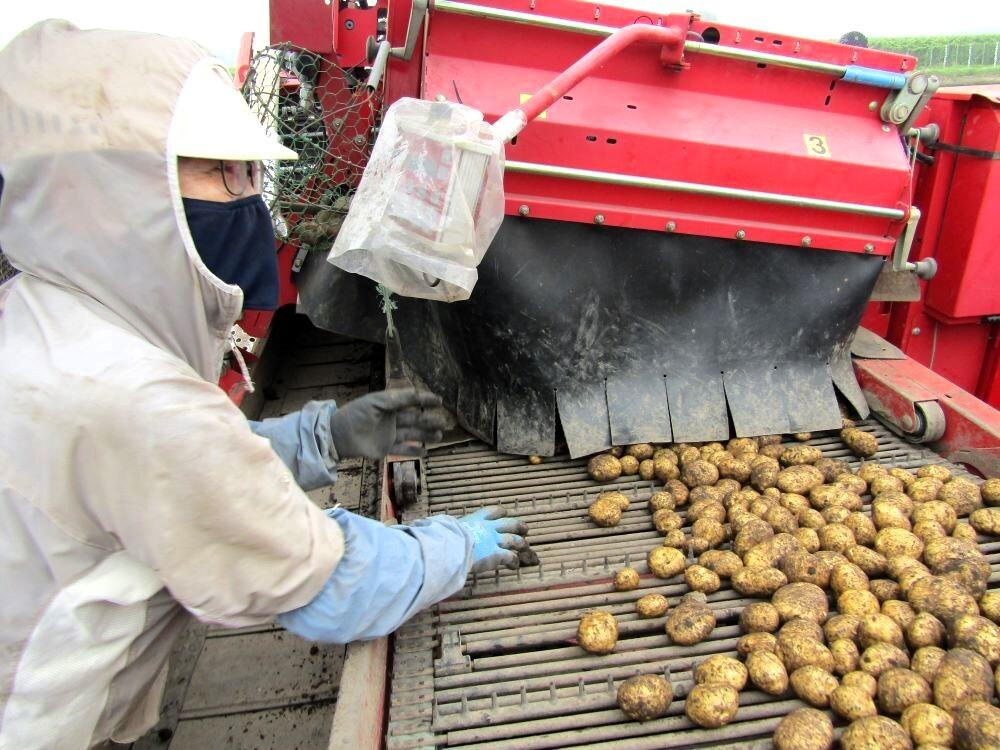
385,422
496,540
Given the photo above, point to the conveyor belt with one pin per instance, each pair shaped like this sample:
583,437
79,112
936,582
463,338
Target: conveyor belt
496,667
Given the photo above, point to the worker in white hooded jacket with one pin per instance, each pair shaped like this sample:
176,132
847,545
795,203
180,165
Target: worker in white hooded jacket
133,493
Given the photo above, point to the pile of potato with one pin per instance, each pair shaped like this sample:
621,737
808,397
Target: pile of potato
881,615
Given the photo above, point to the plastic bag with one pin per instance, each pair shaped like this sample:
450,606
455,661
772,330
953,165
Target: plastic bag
429,203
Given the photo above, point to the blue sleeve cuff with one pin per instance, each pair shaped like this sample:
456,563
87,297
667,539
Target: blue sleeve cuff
303,441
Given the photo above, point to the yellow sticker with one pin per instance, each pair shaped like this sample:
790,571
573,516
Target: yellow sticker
816,145
525,97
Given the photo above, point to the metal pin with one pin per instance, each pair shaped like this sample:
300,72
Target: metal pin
494,701
581,687
519,574
869,248
740,234
523,210
598,218
584,567
562,568
671,226
552,692
541,574
806,241
465,704
475,580
496,577
611,684
628,559
607,563
524,695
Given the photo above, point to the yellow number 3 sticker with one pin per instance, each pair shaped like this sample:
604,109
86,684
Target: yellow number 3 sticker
816,145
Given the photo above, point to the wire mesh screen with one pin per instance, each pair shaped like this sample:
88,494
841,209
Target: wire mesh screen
329,116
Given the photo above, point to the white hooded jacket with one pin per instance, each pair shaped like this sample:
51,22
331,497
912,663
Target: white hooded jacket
131,490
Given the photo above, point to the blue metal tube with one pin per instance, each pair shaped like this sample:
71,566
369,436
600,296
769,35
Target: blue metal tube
874,77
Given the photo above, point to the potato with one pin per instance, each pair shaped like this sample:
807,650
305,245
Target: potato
651,605
928,724
885,483
797,455
604,468
936,471
699,473
801,600
667,520
667,454
758,581
666,470
972,575
678,489
852,703
863,680
927,661
690,622
889,516
802,627
924,489
861,443
927,531
989,605
830,557
665,562
965,532
962,495
910,576
900,612
846,656
640,451
661,501
862,527
727,488
833,496
801,566
842,626
647,469
875,733
771,552
702,579
705,507
942,598
797,651
597,632
990,491
986,521
900,688
712,705
879,628
868,470
626,579
848,577
757,642
764,474
977,726
605,513
629,464
759,617
618,498
721,670
750,533
963,676
804,729
871,563
781,519
767,671
938,511
800,479
813,685
723,562
793,502
836,537
893,542
978,634
675,538
810,518
832,468
855,484
881,657
808,538
617,451
645,697
885,589
696,545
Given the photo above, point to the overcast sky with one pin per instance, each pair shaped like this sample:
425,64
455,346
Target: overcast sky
218,23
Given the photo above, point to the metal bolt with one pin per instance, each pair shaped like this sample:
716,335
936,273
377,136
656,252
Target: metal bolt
807,241
915,331
869,248
901,112
359,140
886,128
522,210
872,106
598,218
740,234
671,226
349,24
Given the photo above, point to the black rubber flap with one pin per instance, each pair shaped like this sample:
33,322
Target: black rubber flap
624,335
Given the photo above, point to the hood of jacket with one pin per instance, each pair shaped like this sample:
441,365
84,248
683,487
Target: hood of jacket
91,200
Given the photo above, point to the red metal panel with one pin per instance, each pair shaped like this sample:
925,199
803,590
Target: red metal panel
306,23
351,28
721,122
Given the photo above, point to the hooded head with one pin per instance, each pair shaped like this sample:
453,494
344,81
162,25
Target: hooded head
91,125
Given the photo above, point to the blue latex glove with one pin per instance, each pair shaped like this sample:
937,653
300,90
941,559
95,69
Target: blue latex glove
387,575
303,441
496,539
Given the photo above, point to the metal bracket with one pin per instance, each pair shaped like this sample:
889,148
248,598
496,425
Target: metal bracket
405,483
924,269
246,342
418,12
901,108
453,660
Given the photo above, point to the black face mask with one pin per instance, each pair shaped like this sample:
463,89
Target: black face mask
235,239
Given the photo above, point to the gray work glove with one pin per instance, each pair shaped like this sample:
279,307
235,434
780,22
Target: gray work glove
496,540
385,422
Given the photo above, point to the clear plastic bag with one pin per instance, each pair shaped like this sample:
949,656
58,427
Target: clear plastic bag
429,203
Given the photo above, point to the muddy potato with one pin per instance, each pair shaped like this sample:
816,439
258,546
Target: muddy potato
851,482
667,520
801,599
753,532
934,470
797,504
759,617
597,632
604,468
618,498
665,562
885,590
605,513
690,622
978,634
758,581
772,451
986,521
617,451
942,598
972,574
651,605
895,542
842,626
845,656
858,602
721,670
852,702
640,451
871,469
813,685
767,671
702,579
800,479
799,651
963,676
781,519
705,508
645,697
989,605
751,642
712,705
962,495
928,531
801,627
879,628
696,545
713,532
863,680
734,468
709,449
928,724
629,464
727,487
871,563
862,527
889,516
699,473
880,657
801,566
834,496
836,537
847,576
764,473
808,538
662,501
742,445
804,729
926,662
885,483
924,489
667,454
875,733
965,532
861,443
990,491
798,455
675,538
900,612
763,440
666,470
647,469
627,579
937,511
900,688
925,630
830,557
810,518
836,514
909,577
902,475
977,726
723,562
831,468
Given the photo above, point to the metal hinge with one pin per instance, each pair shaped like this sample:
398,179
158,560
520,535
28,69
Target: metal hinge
246,342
